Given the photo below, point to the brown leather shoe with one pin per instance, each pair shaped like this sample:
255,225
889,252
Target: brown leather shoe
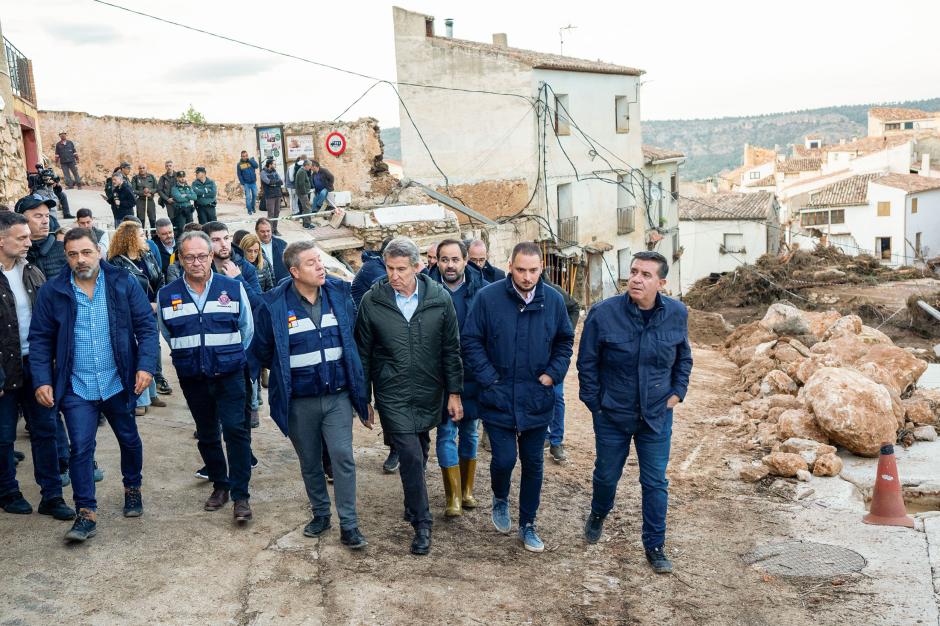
157,402
242,511
217,500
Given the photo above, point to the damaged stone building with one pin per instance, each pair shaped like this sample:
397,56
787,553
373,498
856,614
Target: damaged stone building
20,145
549,146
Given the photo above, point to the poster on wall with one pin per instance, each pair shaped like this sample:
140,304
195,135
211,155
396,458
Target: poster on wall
298,146
271,145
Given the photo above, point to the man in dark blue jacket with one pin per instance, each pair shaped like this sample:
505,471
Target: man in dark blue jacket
272,247
370,272
458,461
518,341
634,364
304,335
246,170
228,259
480,258
93,349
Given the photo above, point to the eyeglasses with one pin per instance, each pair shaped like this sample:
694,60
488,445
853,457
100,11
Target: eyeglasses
192,259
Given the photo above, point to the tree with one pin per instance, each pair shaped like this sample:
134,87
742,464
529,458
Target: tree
191,116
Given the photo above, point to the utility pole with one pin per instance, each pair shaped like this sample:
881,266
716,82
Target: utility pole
561,37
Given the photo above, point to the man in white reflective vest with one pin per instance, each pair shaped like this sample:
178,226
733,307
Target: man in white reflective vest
206,319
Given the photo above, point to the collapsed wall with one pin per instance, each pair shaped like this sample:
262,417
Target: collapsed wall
13,184
104,141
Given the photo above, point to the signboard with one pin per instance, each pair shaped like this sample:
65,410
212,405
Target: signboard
299,145
271,145
335,143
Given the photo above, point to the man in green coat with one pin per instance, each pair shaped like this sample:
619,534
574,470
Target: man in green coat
144,185
409,344
205,190
183,198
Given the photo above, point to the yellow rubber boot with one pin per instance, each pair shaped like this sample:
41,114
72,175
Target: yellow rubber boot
452,491
468,470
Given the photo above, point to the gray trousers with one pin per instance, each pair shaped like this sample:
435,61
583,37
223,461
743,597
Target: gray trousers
330,416
70,173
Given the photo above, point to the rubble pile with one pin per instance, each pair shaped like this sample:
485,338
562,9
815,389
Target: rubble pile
810,381
775,277
921,321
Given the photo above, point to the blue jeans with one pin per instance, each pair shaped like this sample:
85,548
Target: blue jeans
504,444
218,406
62,442
612,443
449,451
318,199
149,394
42,440
556,429
81,419
255,394
251,196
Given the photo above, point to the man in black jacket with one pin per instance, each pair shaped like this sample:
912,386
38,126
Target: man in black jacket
45,253
165,192
124,201
409,344
479,257
322,184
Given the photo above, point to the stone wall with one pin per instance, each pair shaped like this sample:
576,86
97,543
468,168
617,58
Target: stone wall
492,198
13,184
104,141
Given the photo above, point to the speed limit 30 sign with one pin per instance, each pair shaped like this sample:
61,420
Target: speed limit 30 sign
335,143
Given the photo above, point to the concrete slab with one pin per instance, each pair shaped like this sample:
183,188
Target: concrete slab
387,216
930,379
918,470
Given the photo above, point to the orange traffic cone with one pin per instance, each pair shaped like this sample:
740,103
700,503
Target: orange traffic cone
887,504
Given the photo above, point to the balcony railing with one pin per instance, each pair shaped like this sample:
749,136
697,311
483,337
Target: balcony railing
626,220
568,230
21,72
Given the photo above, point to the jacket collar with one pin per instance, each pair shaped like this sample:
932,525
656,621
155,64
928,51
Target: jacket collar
538,298
63,282
634,310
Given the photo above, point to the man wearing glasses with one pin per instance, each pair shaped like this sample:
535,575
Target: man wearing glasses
206,319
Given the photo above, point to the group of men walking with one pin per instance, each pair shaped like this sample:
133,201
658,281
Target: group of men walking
439,349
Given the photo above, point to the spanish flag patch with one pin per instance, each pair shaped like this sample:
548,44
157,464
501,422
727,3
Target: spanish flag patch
291,319
176,300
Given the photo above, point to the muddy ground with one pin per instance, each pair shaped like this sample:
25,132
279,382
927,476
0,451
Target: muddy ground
179,564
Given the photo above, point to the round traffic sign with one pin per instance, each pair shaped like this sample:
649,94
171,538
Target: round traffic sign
335,143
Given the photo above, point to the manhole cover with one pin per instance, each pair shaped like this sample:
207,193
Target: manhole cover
805,559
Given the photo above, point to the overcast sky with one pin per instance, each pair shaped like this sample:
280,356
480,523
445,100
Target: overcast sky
702,59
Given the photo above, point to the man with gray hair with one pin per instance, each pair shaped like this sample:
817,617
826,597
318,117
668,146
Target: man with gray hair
304,335
206,318
409,345
478,255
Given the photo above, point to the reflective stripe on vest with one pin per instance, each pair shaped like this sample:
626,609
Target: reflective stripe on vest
314,358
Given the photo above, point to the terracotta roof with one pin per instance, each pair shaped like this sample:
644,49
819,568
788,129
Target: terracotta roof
652,153
766,181
793,166
734,175
911,183
851,191
728,206
807,153
877,143
894,114
540,60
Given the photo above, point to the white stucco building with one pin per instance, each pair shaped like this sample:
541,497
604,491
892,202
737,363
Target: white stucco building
720,231
561,154
890,120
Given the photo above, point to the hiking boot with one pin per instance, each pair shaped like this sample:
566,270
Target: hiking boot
140,411
317,526
530,539
593,528
558,453
242,511
217,500
421,544
391,463
15,503
255,421
133,502
163,387
85,526
18,456
158,402
202,473
501,519
57,508
353,539
97,473
658,560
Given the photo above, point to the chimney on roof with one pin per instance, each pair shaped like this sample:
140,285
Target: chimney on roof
501,40
429,25
925,164
449,25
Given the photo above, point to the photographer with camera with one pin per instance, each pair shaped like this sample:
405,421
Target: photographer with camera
47,186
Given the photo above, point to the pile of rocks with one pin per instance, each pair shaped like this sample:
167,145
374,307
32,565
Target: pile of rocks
808,380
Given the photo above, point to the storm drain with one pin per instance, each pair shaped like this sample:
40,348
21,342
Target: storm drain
805,559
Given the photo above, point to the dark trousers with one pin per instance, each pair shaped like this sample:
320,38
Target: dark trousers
147,209
42,439
612,444
181,217
205,213
218,408
81,419
273,207
413,455
506,444
70,174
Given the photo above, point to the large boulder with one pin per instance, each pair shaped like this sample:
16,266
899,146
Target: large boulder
783,319
819,323
777,382
785,353
873,335
801,424
849,325
785,464
918,410
854,411
932,398
904,367
802,371
827,465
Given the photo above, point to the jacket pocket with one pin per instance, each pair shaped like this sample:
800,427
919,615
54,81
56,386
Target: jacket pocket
496,397
667,344
540,399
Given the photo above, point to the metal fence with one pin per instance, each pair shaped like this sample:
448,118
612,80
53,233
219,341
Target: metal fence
21,72
568,231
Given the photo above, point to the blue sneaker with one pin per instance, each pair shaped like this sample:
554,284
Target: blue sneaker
501,519
99,473
65,478
85,526
530,539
